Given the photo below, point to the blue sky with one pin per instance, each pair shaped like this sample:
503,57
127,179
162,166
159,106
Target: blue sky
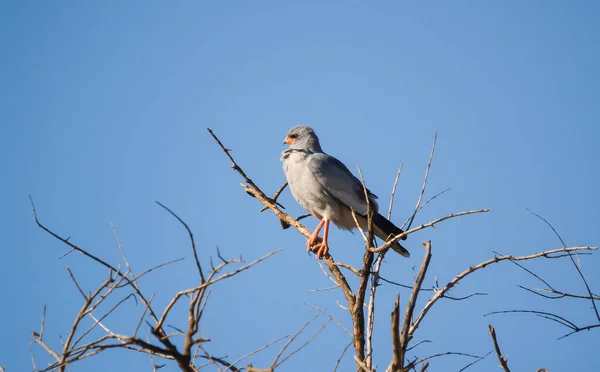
104,109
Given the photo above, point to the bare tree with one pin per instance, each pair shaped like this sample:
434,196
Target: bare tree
187,346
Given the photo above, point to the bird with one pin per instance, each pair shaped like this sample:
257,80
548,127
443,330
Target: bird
329,191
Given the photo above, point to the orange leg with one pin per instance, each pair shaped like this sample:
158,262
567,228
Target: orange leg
322,248
315,235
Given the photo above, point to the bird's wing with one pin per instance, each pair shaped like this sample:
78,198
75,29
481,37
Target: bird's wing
339,183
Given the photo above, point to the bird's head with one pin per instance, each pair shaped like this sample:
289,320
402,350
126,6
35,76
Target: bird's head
303,138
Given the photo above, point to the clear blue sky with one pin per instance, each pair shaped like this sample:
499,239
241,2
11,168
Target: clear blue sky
104,109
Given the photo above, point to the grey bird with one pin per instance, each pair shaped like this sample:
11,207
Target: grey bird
327,189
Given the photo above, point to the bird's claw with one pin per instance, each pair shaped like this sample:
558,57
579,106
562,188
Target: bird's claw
313,241
320,249
317,246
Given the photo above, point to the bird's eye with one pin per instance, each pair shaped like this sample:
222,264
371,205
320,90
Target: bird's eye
293,136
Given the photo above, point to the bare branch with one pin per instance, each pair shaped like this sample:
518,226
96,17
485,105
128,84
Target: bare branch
390,241
393,194
137,327
43,326
396,363
337,363
38,340
303,345
98,321
324,312
412,217
465,297
577,267
474,362
503,360
371,306
357,311
114,230
418,343
80,315
211,281
326,273
405,335
35,369
450,353
442,291
191,234
404,285
553,317
287,344
255,352
323,289
75,281
157,267
276,196
361,364
94,258
359,227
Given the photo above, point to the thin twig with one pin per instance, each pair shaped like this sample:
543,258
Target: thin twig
503,360
137,277
410,220
324,312
404,285
393,195
287,344
302,346
421,227
211,281
474,362
276,196
348,267
75,281
405,335
442,291
323,289
114,230
43,326
255,352
191,234
577,267
553,317
89,255
449,353
337,362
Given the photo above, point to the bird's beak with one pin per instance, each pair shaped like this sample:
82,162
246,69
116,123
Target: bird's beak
289,140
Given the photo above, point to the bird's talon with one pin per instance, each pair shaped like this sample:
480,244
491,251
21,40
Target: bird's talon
320,250
313,241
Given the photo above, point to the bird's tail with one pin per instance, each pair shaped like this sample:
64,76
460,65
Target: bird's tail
384,229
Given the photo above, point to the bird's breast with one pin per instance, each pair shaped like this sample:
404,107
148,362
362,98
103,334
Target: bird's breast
306,189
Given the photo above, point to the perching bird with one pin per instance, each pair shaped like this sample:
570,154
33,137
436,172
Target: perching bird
326,188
